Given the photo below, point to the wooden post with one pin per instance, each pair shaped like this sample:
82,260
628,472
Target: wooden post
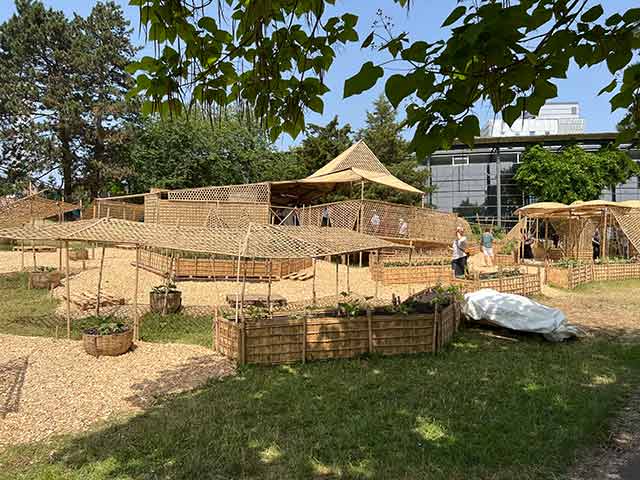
520,239
60,256
348,262
500,278
136,318
370,329
99,280
604,238
168,282
313,282
33,251
546,238
269,286
304,338
216,329
67,287
337,269
244,289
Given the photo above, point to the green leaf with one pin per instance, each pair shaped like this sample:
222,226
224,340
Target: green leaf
619,59
316,104
454,16
416,52
398,87
592,14
469,129
367,41
208,24
609,88
511,113
363,80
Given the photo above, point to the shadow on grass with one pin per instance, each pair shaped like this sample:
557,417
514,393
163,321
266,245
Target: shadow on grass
485,408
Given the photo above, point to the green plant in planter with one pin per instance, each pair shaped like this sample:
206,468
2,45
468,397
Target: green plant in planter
257,313
349,308
105,325
510,247
45,269
166,288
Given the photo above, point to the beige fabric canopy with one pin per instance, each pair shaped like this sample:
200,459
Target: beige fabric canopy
253,241
577,208
356,164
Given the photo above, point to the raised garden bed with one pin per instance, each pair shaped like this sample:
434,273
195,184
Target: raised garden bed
318,335
514,281
569,273
204,268
424,271
44,278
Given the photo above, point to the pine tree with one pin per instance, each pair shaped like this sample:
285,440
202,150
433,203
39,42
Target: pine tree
323,144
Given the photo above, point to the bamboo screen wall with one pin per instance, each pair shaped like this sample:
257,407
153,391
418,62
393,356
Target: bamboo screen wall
234,205
115,209
384,219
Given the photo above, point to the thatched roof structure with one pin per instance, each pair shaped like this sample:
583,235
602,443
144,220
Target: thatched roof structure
30,208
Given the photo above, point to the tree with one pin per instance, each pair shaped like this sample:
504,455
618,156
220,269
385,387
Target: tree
272,59
629,127
62,91
323,144
572,174
192,152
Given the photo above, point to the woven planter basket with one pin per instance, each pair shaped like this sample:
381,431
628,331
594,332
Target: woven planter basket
174,302
47,280
107,345
81,254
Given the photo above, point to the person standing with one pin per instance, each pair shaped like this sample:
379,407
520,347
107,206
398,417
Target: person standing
459,256
403,229
528,242
487,247
595,244
375,222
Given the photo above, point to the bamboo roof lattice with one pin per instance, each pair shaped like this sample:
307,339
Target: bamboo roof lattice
252,241
32,207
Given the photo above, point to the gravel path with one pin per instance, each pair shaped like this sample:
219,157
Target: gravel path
119,279
50,387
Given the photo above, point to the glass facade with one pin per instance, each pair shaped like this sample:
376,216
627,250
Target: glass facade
466,182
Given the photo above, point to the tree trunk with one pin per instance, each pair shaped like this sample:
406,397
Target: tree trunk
66,163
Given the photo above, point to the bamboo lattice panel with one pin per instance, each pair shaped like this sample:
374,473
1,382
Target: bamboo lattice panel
192,213
114,209
34,207
341,214
630,225
574,276
249,193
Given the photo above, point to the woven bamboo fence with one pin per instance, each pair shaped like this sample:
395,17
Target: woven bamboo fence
504,259
298,338
526,284
571,277
411,274
220,268
114,209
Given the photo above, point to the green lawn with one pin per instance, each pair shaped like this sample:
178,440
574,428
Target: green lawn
32,312
23,311
485,408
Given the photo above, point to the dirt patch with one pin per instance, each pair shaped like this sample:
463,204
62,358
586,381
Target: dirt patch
600,308
50,387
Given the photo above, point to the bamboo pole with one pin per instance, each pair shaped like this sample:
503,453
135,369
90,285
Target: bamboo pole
136,318
313,282
99,280
33,251
269,286
60,256
22,255
337,271
67,287
605,246
348,262
166,289
244,289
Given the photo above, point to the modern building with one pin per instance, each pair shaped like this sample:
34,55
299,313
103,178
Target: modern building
553,119
467,182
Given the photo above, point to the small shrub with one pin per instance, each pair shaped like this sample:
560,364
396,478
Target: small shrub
105,325
167,288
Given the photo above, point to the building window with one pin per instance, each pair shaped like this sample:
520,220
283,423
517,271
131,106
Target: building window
460,160
574,110
547,132
532,132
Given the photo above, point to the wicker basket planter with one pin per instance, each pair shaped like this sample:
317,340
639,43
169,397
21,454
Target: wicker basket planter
79,254
174,302
45,280
107,345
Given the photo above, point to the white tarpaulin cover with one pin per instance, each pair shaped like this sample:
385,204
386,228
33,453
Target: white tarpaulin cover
518,313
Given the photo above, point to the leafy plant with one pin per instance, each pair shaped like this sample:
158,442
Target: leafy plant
350,308
106,325
256,313
509,247
43,269
165,288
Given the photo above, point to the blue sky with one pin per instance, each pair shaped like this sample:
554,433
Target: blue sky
422,22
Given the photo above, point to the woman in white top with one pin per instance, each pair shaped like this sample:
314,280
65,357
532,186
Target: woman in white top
459,257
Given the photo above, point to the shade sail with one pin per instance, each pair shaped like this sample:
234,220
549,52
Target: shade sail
578,208
252,241
356,164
